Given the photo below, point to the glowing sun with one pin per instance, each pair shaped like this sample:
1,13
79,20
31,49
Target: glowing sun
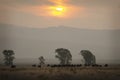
59,8
58,11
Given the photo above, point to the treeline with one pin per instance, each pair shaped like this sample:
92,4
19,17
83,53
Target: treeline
63,55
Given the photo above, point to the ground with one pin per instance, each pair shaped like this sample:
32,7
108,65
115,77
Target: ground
62,73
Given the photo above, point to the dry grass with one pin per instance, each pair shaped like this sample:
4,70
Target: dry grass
67,73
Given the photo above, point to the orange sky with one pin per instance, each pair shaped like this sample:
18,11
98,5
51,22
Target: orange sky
76,13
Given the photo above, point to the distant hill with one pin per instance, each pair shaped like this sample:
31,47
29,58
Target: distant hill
34,42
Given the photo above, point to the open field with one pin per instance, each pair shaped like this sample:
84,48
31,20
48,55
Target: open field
61,73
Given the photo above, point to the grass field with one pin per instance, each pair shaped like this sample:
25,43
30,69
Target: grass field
62,73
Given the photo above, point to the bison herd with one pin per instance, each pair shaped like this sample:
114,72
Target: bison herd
71,65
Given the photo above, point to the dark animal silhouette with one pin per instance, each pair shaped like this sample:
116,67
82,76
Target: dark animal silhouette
34,65
13,66
106,65
39,66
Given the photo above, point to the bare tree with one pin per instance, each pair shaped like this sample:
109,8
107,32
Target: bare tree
42,60
8,57
88,57
63,55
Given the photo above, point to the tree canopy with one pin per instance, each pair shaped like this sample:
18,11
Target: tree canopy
63,55
88,57
8,57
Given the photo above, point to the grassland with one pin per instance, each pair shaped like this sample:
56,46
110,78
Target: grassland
62,73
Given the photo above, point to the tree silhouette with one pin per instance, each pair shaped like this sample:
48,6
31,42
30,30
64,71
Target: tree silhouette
63,55
42,60
8,57
89,58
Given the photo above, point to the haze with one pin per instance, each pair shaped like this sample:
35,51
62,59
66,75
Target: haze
87,14
30,28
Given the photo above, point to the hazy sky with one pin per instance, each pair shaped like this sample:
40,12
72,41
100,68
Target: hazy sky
83,14
89,14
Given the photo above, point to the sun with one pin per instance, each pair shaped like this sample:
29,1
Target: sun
58,11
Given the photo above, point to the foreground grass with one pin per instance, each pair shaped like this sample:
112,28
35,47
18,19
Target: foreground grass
47,73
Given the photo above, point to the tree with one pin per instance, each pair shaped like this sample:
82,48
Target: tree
8,57
42,60
89,58
63,55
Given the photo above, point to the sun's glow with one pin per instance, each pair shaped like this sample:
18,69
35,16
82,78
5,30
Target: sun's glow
58,11
60,8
